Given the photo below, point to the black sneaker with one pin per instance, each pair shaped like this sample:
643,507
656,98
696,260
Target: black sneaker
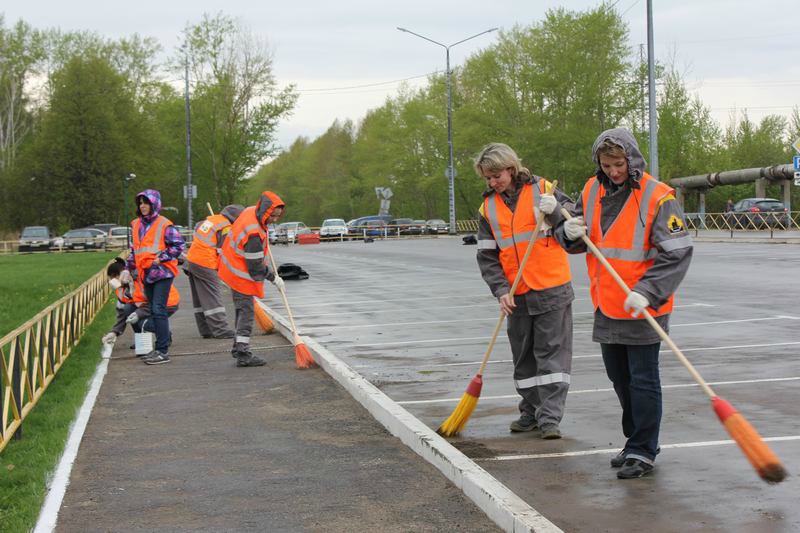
250,360
633,468
524,423
618,460
157,358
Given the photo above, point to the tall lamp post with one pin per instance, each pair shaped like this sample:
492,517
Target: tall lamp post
451,171
125,180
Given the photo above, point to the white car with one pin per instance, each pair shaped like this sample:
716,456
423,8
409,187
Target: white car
333,227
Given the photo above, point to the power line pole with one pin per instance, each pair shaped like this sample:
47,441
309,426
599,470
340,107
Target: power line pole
189,224
651,79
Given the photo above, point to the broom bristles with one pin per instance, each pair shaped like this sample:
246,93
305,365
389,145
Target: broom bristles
458,419
262,318
302,357
763,459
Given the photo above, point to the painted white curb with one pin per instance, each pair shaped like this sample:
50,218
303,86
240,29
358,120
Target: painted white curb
504,507
58,486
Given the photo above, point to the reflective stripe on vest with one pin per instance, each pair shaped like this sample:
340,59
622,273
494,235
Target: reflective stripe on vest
233,268
160,227
626,244
204,250
494,222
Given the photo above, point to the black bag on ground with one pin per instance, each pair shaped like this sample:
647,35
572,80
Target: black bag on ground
291,271
470,239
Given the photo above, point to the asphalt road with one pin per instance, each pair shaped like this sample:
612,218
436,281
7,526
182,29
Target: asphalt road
414,317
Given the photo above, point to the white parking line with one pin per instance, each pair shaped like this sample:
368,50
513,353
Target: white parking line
616,450
588,391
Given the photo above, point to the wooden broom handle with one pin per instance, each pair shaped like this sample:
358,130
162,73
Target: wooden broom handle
285,300
650,320
531,242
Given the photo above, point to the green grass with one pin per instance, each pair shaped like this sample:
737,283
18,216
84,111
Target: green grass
31,282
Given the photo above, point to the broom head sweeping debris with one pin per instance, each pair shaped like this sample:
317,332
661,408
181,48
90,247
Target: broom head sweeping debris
302,356
262,318
766,463
457,420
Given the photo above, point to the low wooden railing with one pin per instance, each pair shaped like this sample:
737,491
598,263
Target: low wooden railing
32,354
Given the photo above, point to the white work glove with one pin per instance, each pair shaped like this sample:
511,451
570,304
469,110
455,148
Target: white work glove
110,338
125,277
635,303
278,282
575,228
115,283
133,318
548,204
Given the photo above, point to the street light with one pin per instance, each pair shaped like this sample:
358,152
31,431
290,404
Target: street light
125,181
451,171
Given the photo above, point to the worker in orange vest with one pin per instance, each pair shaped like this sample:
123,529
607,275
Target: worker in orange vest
638,225
202,262
155,248
243,267
539,313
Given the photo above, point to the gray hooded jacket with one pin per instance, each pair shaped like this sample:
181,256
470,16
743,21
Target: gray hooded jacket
673,242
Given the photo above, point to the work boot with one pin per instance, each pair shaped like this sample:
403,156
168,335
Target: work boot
249,360
618,460
524,423
551,432
240,348
633,468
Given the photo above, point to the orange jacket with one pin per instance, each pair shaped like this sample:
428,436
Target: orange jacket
204,250
147,248
626,244
233,260
548,265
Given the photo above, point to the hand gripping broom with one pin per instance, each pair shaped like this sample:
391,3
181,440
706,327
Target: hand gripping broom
302,357
262,318
457,420
762,458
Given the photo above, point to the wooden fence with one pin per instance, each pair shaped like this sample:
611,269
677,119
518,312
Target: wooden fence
32,354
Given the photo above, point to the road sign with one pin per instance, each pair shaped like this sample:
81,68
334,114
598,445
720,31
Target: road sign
796,145
194,191
455,172
797,178
796,161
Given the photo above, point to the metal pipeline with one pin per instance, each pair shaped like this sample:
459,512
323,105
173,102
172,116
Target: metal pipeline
732,177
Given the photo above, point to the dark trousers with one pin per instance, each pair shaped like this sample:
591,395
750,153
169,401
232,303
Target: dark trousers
157,294
634,372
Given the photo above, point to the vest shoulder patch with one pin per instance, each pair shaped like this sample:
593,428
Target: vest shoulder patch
207,225
675,224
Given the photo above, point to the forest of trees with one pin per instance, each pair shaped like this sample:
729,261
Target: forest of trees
79,112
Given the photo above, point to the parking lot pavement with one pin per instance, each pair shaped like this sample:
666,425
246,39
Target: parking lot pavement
414,318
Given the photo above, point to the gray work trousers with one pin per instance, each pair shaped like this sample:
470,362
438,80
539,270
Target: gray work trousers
209,311
542,349
244,319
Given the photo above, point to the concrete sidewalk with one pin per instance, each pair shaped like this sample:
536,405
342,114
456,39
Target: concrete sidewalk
200,445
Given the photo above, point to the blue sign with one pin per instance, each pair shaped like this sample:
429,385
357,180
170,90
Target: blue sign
796,160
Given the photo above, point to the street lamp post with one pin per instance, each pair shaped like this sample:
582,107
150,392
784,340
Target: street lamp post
451,171
125,181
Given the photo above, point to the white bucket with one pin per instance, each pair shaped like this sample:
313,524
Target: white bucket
143,341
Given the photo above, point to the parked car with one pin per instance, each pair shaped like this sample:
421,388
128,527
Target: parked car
119,236
34,238
83,239
757,213
185,232
103,227
99,235
436,225
403,226
288,231
272,233
355,226
333,227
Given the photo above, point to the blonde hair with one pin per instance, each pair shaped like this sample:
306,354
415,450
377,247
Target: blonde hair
498,156
610,149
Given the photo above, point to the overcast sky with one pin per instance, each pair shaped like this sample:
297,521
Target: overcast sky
733,54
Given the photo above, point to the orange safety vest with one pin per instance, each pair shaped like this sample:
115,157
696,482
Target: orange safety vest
121,296
173,299
548,265
147,247
204,250
626,244
233,259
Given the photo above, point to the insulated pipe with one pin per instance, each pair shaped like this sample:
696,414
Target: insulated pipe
732,177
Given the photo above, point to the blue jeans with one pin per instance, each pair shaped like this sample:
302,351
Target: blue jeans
634,372
157,294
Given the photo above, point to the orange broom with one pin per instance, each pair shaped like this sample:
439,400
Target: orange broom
457,420
302,356
262,318
765,462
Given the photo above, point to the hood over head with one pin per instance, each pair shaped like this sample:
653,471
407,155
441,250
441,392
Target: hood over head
232,212
624,138
266,205
154,197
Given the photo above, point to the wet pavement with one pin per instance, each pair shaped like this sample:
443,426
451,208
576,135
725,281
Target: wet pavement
414,318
